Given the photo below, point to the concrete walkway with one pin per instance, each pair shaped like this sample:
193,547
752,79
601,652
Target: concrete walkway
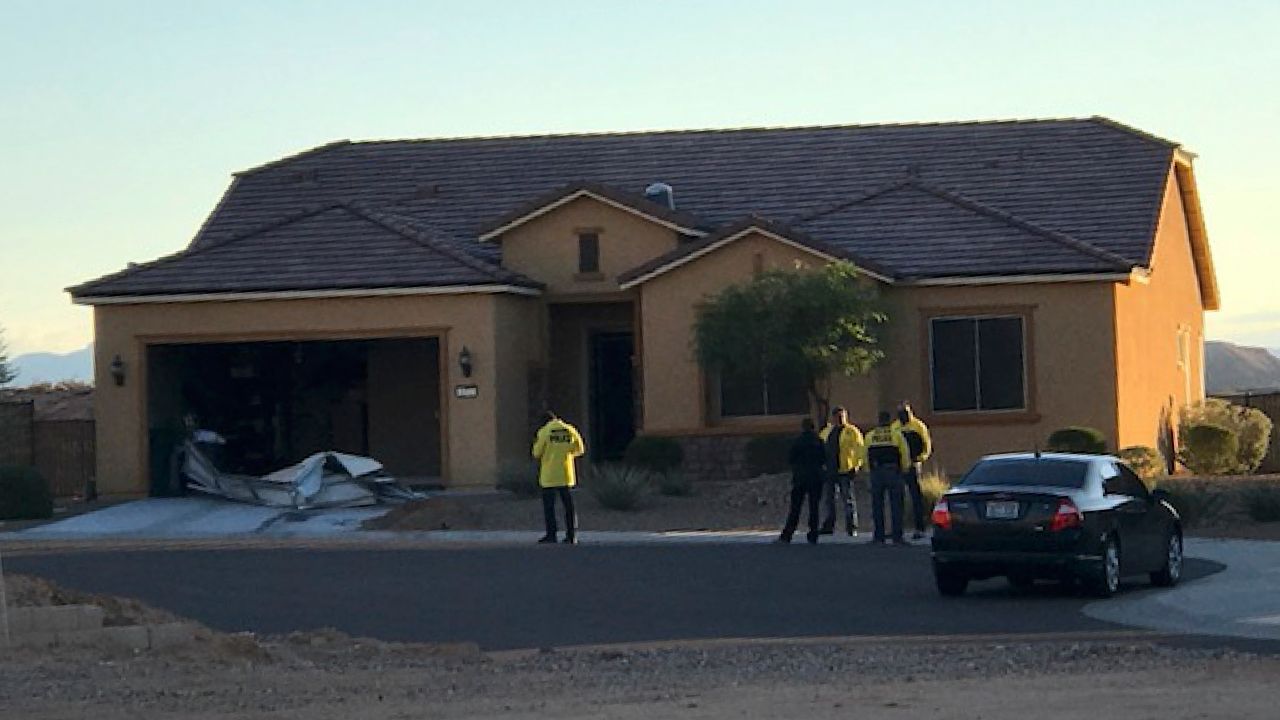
202,518
1241,601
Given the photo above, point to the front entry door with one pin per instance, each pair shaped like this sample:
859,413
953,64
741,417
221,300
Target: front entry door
612,395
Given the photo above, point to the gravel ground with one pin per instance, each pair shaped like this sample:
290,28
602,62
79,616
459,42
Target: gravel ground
323,675
327,675
756,504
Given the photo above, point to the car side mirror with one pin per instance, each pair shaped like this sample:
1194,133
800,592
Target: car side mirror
1159,495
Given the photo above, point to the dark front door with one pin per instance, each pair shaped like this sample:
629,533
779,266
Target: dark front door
612,395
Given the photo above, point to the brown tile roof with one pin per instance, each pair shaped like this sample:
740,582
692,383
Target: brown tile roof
337,246
1091,181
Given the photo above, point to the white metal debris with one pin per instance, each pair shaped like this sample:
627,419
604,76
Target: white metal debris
326,479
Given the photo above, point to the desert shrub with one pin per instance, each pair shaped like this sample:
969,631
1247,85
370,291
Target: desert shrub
24,495
932,487
1261,503
1146,461
1251,427
1078,440
1196,502
1208,448
619,486
519,478
674,484
767,454
656,454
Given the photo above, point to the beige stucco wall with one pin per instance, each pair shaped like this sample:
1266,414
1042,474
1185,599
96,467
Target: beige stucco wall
1071,369
546,248
673,387
471,426
1153,386
520,325
1070,366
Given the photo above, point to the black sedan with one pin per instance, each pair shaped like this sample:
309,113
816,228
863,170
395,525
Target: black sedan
1085,518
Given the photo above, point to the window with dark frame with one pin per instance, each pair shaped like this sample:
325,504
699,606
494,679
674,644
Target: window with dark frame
775,392
588,252
978,363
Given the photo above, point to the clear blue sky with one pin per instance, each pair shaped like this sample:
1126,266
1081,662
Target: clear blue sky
120,121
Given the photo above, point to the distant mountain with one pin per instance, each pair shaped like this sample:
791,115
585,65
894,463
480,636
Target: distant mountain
50,367
1229,367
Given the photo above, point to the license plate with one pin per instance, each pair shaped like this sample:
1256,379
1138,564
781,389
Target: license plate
1002,510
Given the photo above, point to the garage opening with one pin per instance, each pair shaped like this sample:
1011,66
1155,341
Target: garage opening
278,402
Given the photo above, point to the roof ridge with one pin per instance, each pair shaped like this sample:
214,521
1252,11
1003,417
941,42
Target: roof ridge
418,235
1016,221
732,129
189,251
290,158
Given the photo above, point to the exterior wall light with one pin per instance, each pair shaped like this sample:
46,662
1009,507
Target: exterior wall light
464,361
117,370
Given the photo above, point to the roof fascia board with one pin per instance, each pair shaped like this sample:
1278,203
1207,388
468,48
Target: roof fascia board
1025,279
594,196
304,294
686,259
1201,255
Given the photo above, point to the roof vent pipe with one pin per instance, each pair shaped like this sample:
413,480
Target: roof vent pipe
662,194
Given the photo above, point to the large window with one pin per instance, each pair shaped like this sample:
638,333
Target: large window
978,363
773,392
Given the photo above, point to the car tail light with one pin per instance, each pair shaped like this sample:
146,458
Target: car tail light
1067,516
942,515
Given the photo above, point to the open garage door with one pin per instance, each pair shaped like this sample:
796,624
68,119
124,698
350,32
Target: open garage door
278,402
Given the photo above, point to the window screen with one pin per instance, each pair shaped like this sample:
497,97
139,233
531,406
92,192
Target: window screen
978,363
776,392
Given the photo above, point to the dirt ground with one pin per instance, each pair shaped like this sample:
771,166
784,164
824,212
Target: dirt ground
757,504
326,675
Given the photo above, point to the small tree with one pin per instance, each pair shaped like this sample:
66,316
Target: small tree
813,323
7,371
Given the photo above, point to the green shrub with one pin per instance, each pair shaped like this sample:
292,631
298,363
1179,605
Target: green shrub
768,454
1196,503
1262,503
24,495
1078,440
674,484
619,487
655,454
1147,462
1208,448
519,478
1251,427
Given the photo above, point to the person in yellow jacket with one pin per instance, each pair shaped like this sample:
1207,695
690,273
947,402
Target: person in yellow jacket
887,455
557,445
916,433
843,443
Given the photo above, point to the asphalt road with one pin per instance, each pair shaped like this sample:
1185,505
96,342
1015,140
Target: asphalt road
530,597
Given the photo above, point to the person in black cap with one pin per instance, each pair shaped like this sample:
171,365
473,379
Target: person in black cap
807,457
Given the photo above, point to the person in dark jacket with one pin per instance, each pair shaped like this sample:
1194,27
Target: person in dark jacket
808,457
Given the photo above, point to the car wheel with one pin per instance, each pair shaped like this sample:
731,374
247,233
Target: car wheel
1104,580
950,582
1171,573
1021,582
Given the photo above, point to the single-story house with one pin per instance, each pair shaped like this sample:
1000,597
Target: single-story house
421,301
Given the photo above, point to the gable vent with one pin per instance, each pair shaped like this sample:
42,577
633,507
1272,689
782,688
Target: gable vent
662,194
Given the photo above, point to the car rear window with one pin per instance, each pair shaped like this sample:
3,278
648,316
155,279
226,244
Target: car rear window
1051,473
